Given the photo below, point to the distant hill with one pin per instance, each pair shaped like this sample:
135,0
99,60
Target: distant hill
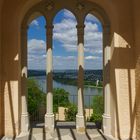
36,73
69,73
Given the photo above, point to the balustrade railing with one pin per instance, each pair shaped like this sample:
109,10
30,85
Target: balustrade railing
61,105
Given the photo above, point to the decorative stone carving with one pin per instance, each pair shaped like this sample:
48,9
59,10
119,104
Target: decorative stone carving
49,30
80,6
49,6
80,29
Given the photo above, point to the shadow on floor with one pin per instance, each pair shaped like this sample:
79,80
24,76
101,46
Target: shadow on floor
65,130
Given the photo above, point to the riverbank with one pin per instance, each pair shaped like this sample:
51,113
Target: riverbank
91,86
73,82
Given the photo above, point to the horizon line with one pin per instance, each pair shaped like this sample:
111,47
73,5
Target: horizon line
63,69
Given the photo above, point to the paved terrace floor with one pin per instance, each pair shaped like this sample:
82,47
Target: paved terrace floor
63,131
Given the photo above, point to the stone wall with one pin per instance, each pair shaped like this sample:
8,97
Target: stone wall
123,73
10,71
0,83
12,14
122,64
61,114
1,95
136,9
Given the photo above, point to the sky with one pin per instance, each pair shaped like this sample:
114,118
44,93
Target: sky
65,42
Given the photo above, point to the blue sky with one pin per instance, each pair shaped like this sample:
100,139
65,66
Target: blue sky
65,42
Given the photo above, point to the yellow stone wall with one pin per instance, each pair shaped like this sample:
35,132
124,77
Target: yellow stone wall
136,19
122,68
1,96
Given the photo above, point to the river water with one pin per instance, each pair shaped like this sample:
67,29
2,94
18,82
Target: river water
89,92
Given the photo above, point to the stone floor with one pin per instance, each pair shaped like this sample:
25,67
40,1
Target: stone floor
63,131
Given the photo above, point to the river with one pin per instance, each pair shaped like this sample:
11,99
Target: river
89,92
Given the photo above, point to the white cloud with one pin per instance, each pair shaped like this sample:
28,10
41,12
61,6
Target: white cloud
36,54
69,14
91,57
71,62
34,23
66,33
91,27
68,58
65,62
36,46
91,18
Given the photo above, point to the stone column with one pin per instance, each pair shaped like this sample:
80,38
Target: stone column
23,86
49,117
80,117
106,78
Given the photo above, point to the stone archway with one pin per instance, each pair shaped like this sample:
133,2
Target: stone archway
124,48
80,10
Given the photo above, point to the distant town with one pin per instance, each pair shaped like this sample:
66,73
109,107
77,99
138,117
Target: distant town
91,77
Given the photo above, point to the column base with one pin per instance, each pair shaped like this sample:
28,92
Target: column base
25,123
49,122
106,124
80,124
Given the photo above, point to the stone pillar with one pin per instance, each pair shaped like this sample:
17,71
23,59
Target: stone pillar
49,117
106,78
80,117
24,91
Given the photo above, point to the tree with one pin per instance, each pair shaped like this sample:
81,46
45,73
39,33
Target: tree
36,97
98,109
60,98
70,112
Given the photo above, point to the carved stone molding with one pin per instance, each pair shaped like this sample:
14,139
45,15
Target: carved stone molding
80,29
49,29
49,6
80,6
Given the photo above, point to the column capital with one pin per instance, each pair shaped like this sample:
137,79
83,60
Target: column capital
80,29
49,26
49,29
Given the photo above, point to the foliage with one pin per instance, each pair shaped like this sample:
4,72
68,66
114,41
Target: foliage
69,81
89,83
60,98
98,108
93,83
96,117
70,113
35,96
